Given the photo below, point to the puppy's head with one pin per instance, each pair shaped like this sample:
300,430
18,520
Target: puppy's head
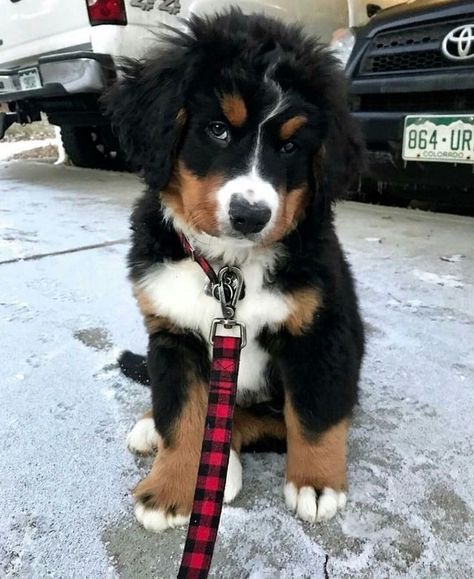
238,125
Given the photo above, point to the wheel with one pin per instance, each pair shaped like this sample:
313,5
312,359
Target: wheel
93,147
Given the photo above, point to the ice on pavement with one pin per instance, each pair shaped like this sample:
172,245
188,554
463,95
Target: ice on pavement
65,410
10,148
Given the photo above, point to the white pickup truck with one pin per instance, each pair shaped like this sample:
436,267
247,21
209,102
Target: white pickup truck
58,56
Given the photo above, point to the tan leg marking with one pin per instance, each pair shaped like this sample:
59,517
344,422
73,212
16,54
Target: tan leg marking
315,470
318,463
170,485
304,303
249,428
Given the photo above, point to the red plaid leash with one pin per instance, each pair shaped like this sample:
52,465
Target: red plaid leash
209,494
212,473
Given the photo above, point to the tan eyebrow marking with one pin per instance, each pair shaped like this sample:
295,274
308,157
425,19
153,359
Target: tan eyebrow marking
289,127
233,106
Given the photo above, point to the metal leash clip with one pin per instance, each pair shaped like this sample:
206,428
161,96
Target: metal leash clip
229,281
228,291
229,288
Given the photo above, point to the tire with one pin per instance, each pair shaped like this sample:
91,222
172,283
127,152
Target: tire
93,148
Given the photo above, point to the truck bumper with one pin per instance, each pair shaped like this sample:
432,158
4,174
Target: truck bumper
71,84
61,74
383,133
381,127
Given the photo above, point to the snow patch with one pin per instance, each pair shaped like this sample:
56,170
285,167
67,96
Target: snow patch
457,257
442,280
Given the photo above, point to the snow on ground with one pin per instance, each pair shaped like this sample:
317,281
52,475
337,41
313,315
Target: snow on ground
65,409
10,148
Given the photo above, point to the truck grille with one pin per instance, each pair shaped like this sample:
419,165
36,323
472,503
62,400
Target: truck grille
426,102
417,48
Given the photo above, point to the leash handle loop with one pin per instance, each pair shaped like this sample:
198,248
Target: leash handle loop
229,325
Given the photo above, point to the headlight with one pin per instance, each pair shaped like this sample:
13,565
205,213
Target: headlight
341,44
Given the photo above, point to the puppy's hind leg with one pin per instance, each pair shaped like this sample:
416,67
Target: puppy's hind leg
248,428
144,438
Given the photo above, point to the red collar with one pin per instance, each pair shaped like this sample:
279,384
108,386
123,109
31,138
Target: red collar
198,258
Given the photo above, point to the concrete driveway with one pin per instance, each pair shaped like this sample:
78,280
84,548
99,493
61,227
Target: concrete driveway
66,310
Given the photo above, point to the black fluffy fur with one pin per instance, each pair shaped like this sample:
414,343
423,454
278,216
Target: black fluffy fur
319,369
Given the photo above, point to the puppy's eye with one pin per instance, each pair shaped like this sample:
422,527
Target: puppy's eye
219,131
288,147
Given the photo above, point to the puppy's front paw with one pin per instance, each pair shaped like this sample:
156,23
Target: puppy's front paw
158,520
312,506
143,438
164,498
157,510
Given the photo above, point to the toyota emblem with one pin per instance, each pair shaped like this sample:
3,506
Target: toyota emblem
459,43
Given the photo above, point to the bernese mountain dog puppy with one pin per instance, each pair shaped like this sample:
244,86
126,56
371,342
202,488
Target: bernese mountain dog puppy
241,129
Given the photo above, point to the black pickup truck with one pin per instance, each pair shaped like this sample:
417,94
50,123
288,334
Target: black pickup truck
412,89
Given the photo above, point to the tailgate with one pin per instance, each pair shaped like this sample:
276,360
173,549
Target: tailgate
29,28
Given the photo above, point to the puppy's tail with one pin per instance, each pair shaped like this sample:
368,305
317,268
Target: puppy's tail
134,366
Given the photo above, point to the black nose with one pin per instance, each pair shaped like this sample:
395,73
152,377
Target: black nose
247,218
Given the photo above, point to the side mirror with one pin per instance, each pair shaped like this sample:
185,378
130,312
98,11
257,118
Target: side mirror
372,9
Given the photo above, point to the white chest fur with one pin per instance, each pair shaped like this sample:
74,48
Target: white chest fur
176,291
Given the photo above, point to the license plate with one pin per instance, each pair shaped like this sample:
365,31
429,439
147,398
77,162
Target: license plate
439,138
30,78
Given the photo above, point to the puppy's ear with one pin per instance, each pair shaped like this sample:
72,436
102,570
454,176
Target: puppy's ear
147,110
341,159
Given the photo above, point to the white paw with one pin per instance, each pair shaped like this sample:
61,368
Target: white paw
157,520
143,438
233,484
309,507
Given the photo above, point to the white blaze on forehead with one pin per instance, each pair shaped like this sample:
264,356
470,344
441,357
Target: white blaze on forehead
278,107
251,186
